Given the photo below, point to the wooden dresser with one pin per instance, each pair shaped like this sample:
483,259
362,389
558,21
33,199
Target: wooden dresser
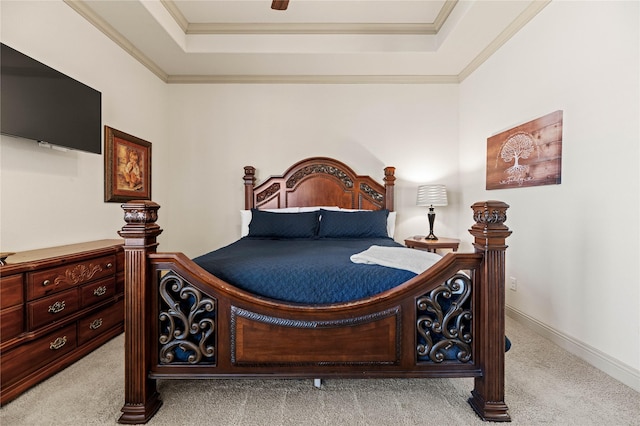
57,305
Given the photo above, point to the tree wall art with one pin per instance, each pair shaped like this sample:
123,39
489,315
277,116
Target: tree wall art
527,155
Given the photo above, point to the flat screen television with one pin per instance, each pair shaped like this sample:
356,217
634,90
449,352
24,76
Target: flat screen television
42,104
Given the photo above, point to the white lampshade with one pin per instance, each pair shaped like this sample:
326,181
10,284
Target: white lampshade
432,195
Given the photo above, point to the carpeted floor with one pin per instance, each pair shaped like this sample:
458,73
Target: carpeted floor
544,385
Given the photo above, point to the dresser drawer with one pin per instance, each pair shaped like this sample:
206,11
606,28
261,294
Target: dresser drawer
97,291
95,324
31,356
10,290
48,281
11,322
52,308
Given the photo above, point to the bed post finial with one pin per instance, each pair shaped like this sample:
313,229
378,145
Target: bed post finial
389,184
249,183
490,232
141,399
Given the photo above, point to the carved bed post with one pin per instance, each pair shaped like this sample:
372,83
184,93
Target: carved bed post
141,399
389,183
490,233
249,183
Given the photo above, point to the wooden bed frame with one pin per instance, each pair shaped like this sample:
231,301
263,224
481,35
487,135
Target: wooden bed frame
173,306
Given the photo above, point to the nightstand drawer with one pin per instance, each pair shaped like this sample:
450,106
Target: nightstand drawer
98,291
95,324
52,308
31,356
52,280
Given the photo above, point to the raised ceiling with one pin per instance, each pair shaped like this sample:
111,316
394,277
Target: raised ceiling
313,41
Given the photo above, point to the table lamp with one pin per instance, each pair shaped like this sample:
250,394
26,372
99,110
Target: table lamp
432,196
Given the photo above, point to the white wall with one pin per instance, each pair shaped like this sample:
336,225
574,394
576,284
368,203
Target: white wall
575,246
49,197
220,129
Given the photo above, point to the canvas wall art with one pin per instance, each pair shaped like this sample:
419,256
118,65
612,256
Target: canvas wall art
527,155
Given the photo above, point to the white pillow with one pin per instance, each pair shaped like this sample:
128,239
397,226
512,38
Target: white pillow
391,224
315,208
245,218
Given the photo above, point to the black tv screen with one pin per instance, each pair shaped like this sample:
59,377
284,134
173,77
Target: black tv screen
42,104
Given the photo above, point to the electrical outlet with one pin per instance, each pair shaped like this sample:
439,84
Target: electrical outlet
513,283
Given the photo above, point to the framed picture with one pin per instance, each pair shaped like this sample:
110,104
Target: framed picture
127,167
527,155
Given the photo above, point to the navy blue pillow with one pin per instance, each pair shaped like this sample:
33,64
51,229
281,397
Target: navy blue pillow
359,224
283,225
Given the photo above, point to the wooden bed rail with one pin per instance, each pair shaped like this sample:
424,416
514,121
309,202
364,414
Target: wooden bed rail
141,399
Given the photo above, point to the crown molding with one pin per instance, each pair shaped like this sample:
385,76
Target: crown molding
88,14
527,15
312,79
310,27
85,11
173,10
442,17
120,40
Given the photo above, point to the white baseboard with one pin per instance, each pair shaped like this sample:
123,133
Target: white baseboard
616,369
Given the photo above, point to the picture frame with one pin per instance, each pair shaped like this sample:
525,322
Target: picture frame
127,167
526,155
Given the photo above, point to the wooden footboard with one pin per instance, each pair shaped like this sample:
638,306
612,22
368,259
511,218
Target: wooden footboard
182,322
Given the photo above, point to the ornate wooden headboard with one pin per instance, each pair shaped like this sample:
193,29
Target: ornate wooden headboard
319,181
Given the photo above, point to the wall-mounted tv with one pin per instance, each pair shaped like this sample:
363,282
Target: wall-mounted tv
42,104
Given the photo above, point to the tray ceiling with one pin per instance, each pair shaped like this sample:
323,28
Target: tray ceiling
313,41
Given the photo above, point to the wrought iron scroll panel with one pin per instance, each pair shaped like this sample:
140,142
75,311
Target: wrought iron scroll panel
444,322
320,168
268,193
375,195
187,322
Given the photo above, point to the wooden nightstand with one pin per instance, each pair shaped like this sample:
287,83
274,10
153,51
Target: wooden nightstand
419,242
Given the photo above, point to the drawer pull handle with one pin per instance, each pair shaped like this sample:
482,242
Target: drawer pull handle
100,291
58,343
46,283
109,265
96,324
57,307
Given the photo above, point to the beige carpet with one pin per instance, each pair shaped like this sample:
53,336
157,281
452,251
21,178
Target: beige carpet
544,385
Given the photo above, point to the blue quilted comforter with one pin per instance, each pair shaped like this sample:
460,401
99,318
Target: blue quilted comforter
306,271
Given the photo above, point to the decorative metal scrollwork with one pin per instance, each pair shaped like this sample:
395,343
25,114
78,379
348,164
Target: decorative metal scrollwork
444,322
320,168
371,192
267,193
58,343
57,307
142,215
187,323
100,291
490,217
96,324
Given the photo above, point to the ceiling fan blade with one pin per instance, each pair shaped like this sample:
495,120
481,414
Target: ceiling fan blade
279,4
